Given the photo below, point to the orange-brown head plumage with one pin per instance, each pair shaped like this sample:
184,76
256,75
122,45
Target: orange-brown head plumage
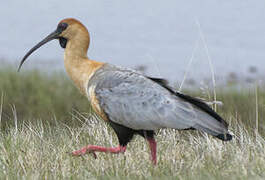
71,34
74,37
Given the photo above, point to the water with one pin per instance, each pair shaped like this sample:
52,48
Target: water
159,34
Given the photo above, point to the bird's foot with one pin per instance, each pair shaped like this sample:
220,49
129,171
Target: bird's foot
83,151
92,149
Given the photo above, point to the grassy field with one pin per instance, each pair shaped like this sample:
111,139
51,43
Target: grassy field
43,118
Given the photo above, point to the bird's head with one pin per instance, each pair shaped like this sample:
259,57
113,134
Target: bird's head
67,30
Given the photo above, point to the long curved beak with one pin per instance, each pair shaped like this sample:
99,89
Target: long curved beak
53,35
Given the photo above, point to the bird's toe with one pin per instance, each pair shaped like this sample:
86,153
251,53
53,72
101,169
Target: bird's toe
84,151
79,152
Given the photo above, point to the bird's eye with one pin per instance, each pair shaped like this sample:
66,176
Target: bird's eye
62,26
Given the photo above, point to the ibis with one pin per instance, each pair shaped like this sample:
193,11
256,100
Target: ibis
130,102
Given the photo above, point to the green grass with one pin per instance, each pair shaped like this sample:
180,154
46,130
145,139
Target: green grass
37,96
43,118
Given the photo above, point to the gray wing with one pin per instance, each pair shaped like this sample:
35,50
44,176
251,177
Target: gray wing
133,100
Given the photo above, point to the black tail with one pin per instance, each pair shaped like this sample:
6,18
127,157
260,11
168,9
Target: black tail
216,128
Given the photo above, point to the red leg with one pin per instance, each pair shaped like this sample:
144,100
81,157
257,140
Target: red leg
152,145
92,149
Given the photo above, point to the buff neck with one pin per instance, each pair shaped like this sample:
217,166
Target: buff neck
78,66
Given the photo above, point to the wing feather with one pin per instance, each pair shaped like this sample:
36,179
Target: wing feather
135,101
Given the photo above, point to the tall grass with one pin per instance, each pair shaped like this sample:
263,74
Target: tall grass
43,118
38,152
36,96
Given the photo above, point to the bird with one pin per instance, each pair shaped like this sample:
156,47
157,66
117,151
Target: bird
129,101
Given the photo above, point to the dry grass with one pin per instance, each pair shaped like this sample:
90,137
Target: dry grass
40,151
43,118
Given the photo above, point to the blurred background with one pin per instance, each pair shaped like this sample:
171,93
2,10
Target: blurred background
163,36
204,42
213,49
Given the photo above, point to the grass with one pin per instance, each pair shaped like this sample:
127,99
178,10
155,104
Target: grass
38,95
38,152
43,118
